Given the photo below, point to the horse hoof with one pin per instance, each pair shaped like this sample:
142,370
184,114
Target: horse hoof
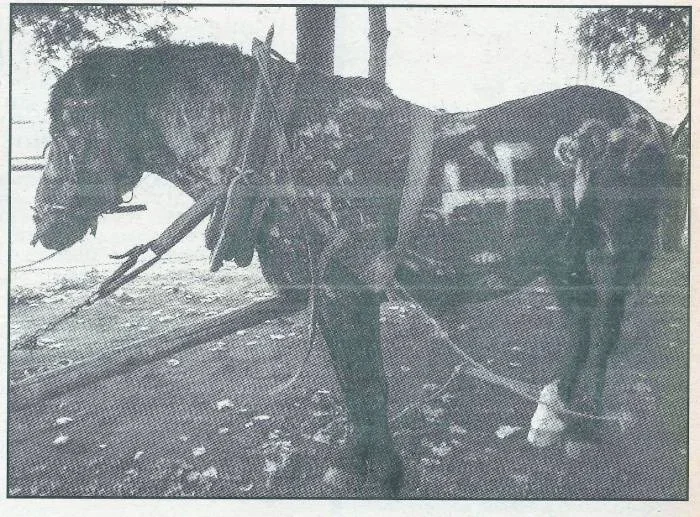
546,427
391,474
338,480
378,466
543,438
380,472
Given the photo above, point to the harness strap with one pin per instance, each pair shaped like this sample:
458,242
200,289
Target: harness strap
250,157
246,201
380,274
420,158
286,94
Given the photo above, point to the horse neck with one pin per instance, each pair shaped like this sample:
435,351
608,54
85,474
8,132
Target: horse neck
190,138
193,173
192,182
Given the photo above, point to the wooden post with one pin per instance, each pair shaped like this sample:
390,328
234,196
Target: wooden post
30,391
378,40
316,38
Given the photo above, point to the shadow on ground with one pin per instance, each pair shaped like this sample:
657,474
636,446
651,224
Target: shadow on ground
202,423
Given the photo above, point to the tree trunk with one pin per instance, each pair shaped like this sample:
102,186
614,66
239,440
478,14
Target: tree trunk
316,38
378,39
675,212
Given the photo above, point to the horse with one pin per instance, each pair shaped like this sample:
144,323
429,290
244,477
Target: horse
549,185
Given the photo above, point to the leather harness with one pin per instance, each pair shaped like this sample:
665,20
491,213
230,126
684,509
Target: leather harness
264,150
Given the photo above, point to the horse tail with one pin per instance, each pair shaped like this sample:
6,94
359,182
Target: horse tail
640,149
675,210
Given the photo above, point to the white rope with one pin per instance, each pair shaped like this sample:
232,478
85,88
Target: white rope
475,369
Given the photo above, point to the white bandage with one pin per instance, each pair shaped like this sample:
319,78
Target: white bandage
546,426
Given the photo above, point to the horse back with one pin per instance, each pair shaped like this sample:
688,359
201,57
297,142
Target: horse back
497,199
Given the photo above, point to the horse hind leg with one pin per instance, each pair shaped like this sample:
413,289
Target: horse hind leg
349,320
576,294
575,291
606,330
623,270
577,297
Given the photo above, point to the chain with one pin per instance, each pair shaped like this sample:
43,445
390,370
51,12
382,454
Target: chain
118,278
30,341
30,264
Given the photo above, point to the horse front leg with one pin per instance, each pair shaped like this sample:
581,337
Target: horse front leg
349,320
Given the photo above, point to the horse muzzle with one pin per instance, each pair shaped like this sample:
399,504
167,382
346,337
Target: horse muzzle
58,230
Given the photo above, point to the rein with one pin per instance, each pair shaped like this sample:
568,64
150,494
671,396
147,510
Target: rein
259,121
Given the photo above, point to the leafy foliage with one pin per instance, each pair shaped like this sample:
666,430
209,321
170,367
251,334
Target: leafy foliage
58,29
654,40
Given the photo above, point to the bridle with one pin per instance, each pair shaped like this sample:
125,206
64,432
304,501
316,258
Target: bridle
88,200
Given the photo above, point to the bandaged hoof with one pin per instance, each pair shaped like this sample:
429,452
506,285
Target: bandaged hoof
546,426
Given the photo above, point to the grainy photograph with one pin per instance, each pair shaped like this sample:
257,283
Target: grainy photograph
332,252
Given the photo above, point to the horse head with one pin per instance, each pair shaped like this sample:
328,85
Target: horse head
90,163
171,110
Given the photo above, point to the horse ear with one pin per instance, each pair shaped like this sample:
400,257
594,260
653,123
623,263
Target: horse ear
617,138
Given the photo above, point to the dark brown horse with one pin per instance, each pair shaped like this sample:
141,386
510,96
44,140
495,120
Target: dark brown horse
520,190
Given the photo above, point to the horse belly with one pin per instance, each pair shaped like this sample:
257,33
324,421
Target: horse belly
479,250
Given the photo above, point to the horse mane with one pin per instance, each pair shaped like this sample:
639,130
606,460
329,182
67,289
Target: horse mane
128,79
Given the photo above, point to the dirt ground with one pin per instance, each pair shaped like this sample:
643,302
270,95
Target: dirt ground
202,423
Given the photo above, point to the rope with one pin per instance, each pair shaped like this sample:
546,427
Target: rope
261,52
475,369
77,266
30,264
